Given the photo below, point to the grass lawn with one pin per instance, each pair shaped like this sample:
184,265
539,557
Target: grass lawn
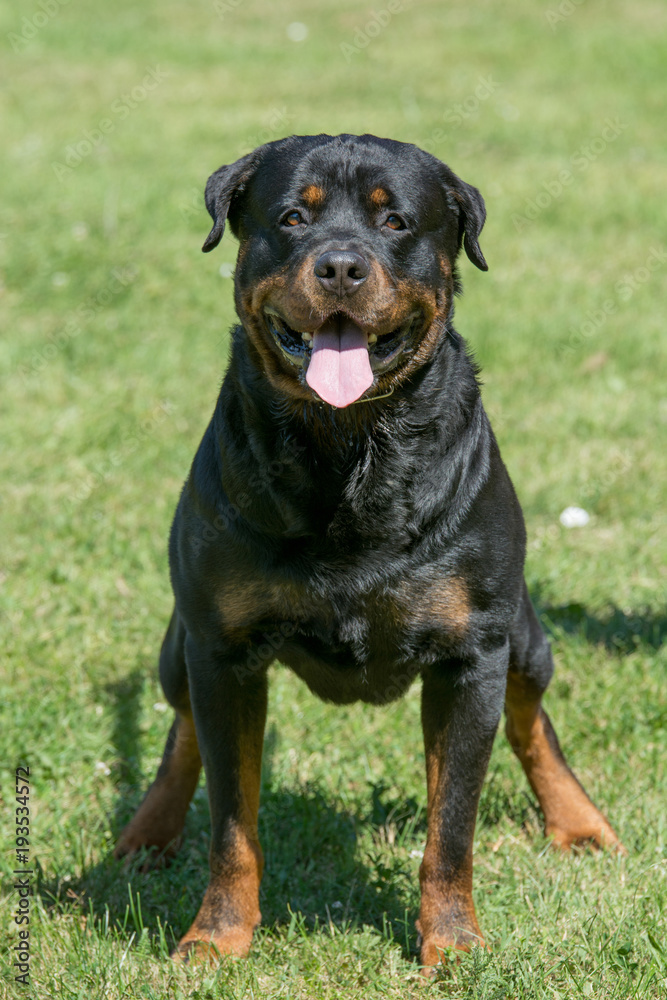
114,340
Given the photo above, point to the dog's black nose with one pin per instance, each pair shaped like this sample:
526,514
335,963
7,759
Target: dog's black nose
341,271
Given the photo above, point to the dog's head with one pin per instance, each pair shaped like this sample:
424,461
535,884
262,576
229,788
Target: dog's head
346,270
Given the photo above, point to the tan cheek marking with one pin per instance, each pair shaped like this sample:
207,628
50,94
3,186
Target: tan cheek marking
254,296
313,196
379,197
431,338
243,253
445,266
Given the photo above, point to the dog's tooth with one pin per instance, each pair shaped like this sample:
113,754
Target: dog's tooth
308,337
372,338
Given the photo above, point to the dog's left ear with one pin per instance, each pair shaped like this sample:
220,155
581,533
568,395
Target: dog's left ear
221,187
472,214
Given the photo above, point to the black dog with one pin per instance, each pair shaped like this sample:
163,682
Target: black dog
349,498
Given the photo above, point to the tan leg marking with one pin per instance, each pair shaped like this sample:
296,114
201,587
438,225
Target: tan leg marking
570,816
159,820
447,913
230,912
232,899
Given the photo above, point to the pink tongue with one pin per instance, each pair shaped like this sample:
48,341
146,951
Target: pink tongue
339,369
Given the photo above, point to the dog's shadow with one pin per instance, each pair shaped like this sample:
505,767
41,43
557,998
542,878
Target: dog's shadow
620,632
313,866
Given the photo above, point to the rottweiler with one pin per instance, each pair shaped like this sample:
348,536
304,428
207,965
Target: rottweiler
348,513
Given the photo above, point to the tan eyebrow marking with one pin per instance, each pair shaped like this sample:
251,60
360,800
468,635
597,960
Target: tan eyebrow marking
379,197
313,195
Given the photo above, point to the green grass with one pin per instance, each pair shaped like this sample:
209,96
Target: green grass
108,383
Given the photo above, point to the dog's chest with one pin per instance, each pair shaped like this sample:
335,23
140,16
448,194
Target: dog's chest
343,628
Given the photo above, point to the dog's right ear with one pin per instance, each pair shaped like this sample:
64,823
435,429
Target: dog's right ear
221,187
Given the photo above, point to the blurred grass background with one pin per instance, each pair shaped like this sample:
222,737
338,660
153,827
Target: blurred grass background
114,340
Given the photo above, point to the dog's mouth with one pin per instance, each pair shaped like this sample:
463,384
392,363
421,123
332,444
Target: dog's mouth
340,358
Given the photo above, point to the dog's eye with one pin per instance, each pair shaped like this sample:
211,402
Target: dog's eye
394,222
293,219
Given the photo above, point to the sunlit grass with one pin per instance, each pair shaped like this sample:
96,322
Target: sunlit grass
114,343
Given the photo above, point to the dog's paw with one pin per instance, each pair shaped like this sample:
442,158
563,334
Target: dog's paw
154,852
195,946
441,949
599,836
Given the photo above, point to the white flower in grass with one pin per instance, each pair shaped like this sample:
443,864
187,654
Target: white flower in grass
297,32
574,517
102,768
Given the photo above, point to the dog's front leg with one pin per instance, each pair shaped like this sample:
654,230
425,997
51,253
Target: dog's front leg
461,708
229,715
